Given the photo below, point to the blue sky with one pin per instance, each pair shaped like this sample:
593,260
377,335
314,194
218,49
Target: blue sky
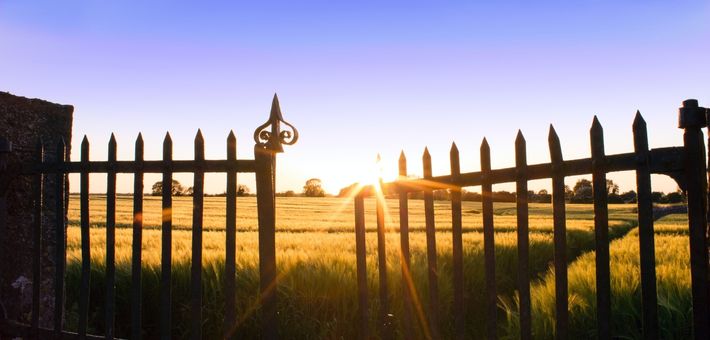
358,78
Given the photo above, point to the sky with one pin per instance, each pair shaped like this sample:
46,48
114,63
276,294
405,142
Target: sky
360,78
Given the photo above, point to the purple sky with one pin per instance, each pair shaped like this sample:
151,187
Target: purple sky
360,78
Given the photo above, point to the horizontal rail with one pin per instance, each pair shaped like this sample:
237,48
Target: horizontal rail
661,161
156,166
16,329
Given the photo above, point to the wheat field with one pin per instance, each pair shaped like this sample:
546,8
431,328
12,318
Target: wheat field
316,261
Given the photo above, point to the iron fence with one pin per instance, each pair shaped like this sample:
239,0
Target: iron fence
685,164
269,139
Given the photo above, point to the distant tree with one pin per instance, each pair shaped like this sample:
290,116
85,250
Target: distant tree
440,195
189,191
569,193
657,197
543,196
611,187
177,188
313,188
628,197
348,190
674,197
615,199
289,193
503,196
582,192
469,196
242,190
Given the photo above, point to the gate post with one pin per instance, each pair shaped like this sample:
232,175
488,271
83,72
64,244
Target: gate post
5,149
24,122
692,119
269,141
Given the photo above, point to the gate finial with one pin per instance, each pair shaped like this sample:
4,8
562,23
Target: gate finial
274,139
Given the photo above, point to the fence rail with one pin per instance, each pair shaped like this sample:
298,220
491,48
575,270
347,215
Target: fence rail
269,139
685,164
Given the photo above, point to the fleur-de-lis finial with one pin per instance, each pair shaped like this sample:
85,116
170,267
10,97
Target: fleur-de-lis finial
269,135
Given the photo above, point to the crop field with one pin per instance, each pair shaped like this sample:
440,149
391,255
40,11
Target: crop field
316,261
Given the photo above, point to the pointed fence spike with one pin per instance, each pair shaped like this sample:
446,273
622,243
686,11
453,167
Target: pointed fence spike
378,158
520,144
555,147
596,129
112,148
167,147
139,147
639,122
595,121
199,140
199,146
426,162
231,135
454,148
454,160
85,149
552,136
519,137
484,144
402,164
276,108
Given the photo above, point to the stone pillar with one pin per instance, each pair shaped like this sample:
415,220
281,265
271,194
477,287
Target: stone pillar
23,122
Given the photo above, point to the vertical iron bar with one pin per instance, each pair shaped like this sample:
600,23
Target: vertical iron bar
60,242
111,239
136,257
167,235
559,236
457,245
230,260
692,119
431,250
521,201
601,230
407,283
489,241
37,240
385,327
197,210
266,206
85,241
646,241
361,258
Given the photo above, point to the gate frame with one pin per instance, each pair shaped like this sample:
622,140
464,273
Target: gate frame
269,139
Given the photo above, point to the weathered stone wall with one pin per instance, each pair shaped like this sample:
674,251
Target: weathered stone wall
23,122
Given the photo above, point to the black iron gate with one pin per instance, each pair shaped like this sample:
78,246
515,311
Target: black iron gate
269,139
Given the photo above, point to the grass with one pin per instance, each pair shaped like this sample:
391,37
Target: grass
316,259
673,286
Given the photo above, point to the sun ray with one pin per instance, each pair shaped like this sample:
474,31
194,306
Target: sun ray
411,289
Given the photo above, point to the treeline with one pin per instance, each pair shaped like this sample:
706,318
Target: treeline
312,188
582,192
